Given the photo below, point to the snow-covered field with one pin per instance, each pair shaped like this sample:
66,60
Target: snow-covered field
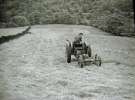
33,67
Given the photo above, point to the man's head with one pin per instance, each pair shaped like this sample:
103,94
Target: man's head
80,34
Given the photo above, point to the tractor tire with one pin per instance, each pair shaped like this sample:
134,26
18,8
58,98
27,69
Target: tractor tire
84,48
89,51
68,52
69,59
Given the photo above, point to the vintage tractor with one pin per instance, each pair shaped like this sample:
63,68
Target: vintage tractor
82,52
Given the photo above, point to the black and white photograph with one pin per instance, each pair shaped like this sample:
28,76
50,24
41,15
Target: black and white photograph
67,50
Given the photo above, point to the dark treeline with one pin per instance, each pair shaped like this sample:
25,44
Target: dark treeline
115,16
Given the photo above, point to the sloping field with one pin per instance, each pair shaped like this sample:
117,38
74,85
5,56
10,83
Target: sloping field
33,67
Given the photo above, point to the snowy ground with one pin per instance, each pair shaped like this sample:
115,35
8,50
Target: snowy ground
33,67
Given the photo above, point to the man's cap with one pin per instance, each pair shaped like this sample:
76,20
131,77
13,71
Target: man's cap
80,33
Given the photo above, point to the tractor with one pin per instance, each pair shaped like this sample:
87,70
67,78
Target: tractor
82,53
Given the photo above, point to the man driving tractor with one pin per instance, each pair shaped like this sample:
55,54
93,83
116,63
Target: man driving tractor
78,41
81,51
78,38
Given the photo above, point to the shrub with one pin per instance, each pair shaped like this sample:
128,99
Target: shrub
11,24
113,24
34,17
123,5
2,25
19,21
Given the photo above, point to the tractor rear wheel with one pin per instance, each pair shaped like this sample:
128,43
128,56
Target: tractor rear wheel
68,52
89,51
68,58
